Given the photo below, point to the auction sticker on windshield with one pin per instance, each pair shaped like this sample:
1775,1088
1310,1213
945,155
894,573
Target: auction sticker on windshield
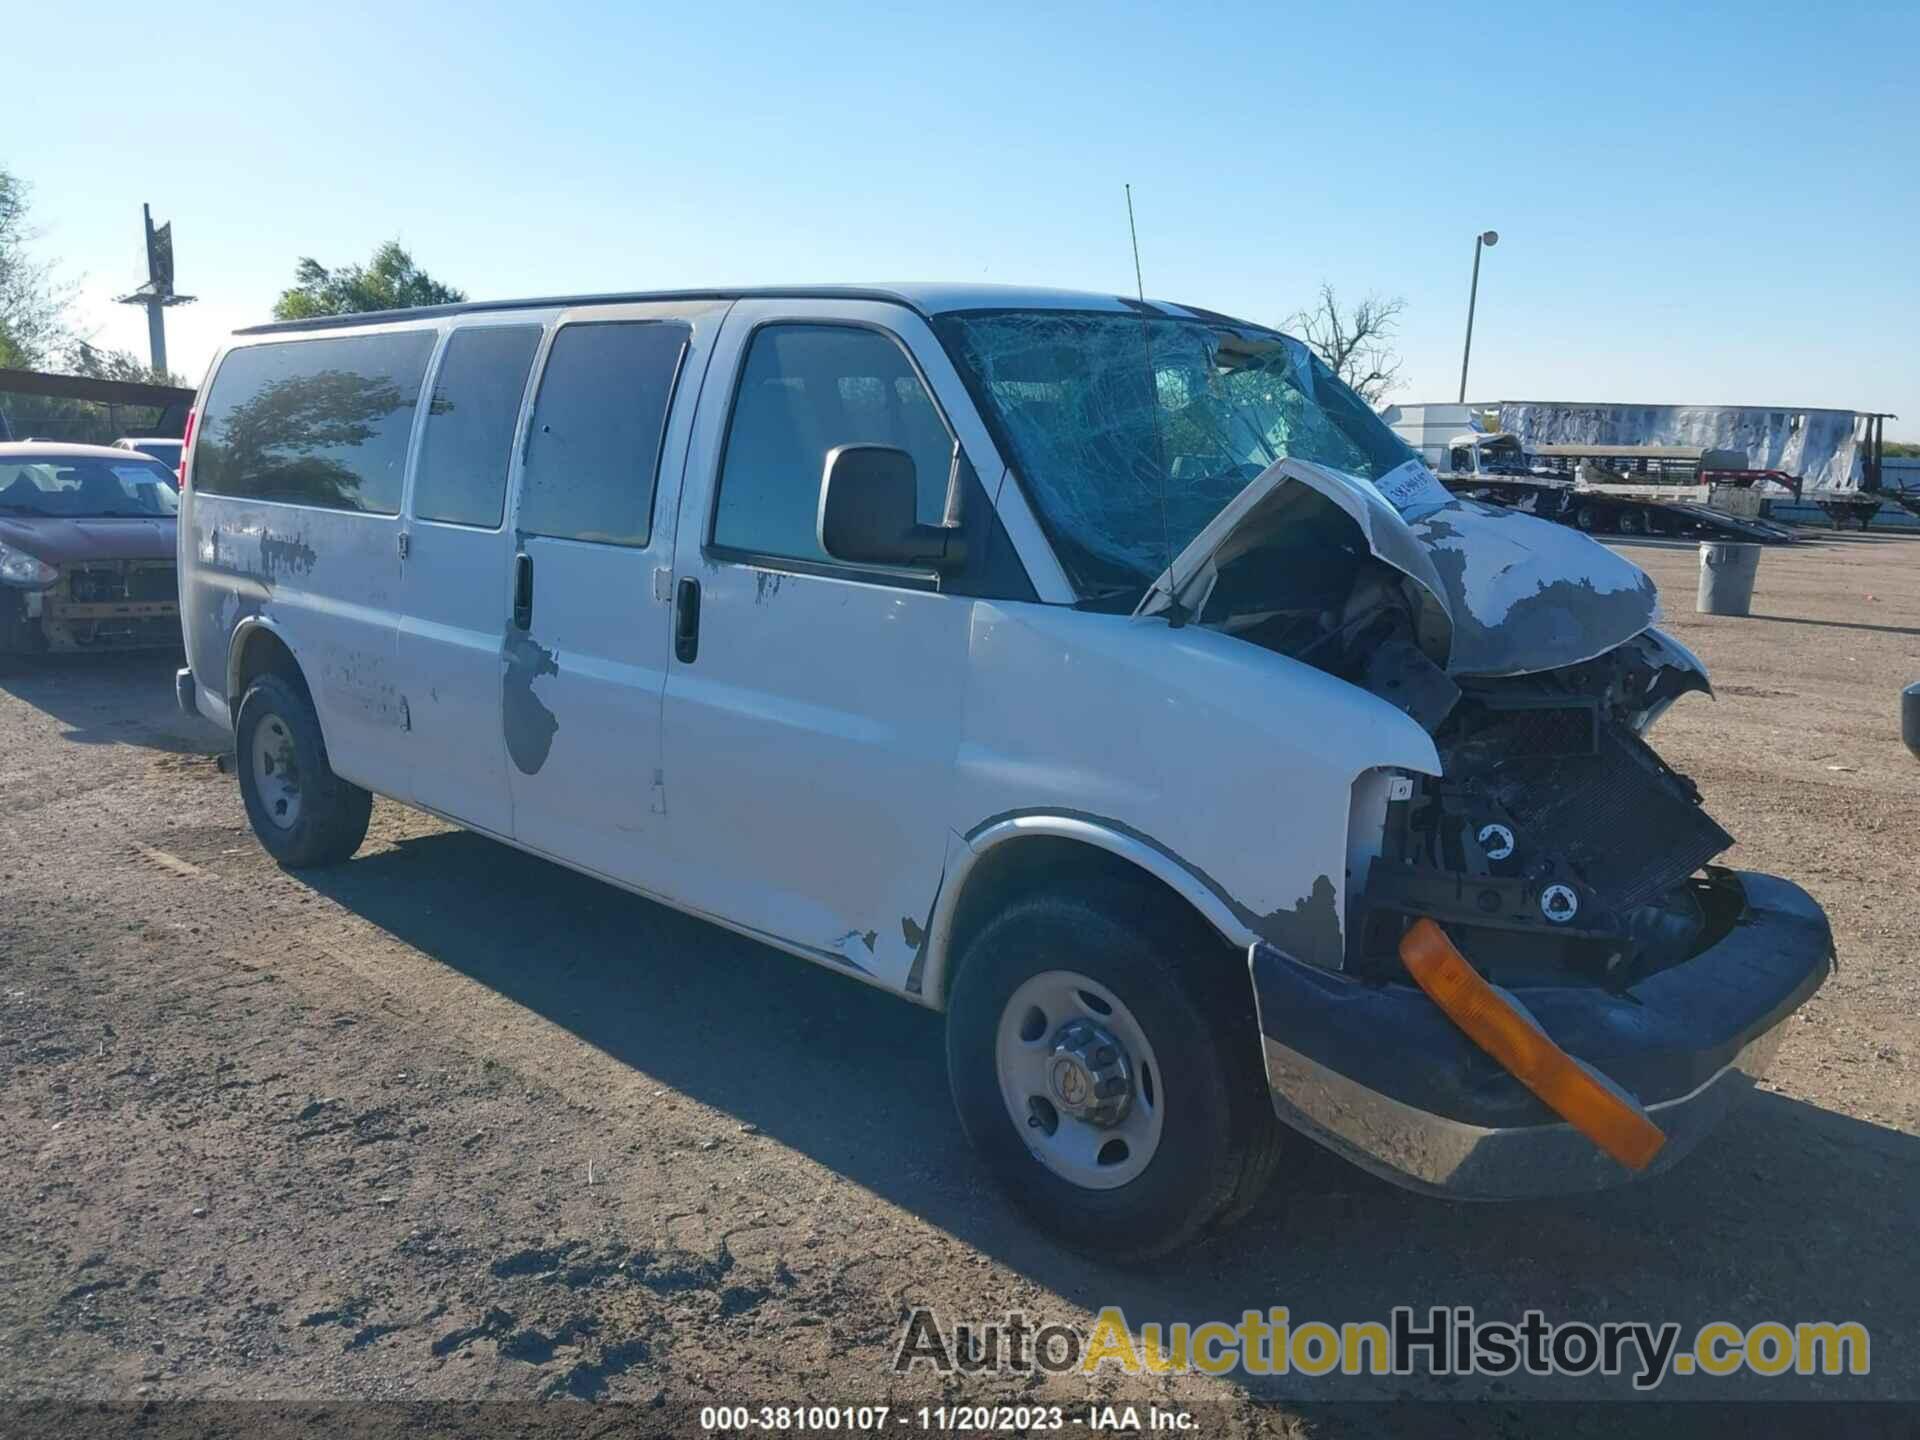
1412,486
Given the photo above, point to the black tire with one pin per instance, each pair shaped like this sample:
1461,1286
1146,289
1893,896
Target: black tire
332,816
1220,1142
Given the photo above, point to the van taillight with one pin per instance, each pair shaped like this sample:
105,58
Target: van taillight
186,446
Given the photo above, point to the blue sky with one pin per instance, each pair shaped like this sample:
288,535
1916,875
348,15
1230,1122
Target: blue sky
1696,204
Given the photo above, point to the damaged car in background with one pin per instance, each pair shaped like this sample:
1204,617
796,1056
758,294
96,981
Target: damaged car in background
1103,673
86,550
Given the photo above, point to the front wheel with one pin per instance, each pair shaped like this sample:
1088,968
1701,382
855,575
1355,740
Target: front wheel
1105,1064
303,813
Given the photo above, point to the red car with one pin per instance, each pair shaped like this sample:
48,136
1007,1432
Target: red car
86,549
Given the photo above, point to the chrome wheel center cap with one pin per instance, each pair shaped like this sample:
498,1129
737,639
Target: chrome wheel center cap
1089,1075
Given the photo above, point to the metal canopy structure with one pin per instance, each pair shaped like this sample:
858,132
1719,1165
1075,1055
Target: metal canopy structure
170,402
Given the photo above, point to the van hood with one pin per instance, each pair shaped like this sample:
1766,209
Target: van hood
62,541
1518,593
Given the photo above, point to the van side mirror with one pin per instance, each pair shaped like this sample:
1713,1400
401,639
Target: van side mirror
868,502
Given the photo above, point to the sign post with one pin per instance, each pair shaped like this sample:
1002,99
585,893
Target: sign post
158,293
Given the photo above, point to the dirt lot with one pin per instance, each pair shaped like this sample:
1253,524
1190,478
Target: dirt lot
452,1122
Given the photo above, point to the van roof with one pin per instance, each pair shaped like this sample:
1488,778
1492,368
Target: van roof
929,298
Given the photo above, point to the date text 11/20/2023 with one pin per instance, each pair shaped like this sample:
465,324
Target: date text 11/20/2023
944,1419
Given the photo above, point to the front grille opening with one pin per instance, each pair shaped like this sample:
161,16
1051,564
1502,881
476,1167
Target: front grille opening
122,584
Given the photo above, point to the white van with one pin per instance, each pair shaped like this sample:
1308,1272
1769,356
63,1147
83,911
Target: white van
1104,674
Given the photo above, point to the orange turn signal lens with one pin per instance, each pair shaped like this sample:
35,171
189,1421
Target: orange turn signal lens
1611,1121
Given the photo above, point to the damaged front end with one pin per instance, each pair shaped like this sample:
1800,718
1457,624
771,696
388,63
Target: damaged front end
1555,844
100,605
1566,861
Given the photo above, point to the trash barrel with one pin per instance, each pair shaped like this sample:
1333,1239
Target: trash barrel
1726,577
1910,717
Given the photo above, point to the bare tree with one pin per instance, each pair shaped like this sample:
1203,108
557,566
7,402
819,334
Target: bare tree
1355,343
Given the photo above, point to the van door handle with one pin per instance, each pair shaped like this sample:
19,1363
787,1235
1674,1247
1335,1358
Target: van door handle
686,622
523,591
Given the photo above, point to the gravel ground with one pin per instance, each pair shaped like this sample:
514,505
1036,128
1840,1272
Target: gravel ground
449,1122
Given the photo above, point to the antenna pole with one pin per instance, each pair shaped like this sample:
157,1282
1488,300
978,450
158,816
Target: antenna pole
1139,286
1175,616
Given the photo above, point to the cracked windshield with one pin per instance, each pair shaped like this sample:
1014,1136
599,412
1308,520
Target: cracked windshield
1100,446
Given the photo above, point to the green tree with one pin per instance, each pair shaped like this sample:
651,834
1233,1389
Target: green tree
391,281
97,364
12,357
33,305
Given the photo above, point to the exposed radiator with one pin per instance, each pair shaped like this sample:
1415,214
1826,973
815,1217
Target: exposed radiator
1627,823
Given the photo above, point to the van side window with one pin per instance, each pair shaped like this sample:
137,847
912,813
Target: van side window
804,390
314,422
468,441
593,454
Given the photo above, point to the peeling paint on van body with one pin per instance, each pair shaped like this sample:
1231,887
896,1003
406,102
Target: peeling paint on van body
1122,724
530,726
1527,594
328,581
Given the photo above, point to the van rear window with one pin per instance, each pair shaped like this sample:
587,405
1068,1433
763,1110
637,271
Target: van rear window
321,422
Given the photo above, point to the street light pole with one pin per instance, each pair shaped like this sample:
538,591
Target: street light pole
1487,238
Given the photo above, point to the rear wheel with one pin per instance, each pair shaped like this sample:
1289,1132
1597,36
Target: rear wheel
303,813
1632,522
1106,1067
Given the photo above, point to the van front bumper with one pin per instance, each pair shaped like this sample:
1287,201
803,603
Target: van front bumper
1379,1074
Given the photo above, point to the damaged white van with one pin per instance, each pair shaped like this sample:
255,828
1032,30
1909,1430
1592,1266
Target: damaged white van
1103,674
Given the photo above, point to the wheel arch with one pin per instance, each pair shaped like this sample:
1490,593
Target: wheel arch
1012,856
259,647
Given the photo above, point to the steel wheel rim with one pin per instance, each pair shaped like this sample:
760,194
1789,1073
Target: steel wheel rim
276,771
1092,1156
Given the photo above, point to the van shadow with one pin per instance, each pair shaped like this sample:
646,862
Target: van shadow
1788,1211
111,699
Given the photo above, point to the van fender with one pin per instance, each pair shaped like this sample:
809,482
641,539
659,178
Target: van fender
249,625
964,852
237,646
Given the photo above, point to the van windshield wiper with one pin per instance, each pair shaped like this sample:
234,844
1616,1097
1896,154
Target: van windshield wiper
1112,600
14,509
